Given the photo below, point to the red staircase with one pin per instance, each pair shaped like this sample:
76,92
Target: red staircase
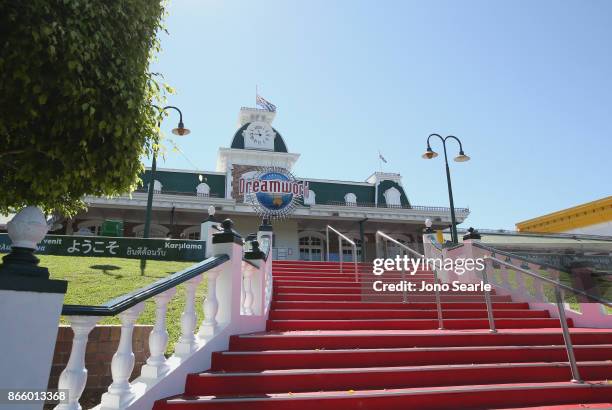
332,344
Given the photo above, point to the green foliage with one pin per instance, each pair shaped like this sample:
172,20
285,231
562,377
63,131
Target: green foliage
75,99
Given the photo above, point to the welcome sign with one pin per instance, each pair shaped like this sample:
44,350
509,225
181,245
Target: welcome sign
273,192
134,248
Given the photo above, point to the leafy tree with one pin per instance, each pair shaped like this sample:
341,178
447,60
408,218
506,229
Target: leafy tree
75,99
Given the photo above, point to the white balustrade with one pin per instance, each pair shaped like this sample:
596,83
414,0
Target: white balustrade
210,306
74,376
120,392
222,318
187,343
156,366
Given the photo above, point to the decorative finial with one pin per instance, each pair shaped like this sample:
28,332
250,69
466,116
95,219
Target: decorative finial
472,234
26,230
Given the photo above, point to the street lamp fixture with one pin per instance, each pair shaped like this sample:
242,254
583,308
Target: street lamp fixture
430,154
179,130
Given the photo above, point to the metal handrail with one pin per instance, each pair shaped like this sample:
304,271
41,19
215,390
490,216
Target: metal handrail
341,236
551,281
380,234
507,232
558,300
406,247
121,303
405,206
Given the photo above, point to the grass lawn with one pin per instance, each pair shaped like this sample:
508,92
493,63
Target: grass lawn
93,281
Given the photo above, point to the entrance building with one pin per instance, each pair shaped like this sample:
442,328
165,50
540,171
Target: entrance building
355,208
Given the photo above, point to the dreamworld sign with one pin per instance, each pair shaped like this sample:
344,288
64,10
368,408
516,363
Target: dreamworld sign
273,192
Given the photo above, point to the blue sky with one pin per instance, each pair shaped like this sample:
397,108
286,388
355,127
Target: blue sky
526,85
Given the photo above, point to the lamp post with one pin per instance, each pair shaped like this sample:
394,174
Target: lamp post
179,130
430,154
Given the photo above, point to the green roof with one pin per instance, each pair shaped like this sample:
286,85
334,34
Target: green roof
187,181
329,192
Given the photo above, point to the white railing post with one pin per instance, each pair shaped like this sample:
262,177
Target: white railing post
255,280
229,285
206,230
30,308
156,365
187,342
265,236
120,392
74,376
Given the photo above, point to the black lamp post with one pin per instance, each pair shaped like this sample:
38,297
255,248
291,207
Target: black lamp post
179,130
429,154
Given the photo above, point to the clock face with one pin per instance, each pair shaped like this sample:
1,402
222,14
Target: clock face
259,134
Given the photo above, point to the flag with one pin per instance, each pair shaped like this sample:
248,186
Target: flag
265,104
381,157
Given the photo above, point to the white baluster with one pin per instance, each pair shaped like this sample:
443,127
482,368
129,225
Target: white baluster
210,306
156,365
242,294
74,376
120,392
247,287
187,343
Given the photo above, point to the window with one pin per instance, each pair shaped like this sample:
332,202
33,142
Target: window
311,248
393,197
311,199
157,187
203,190
347,250
193,232
350,199
155,231
89,228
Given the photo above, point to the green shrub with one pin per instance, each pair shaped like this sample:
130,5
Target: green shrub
75,100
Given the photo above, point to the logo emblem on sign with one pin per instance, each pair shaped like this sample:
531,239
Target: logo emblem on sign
273,192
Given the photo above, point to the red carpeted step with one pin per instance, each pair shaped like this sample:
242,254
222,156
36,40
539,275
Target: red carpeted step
387,296
351,314
318,359
423,398
335,345
360,324
302,380
418,338
391,305
571,406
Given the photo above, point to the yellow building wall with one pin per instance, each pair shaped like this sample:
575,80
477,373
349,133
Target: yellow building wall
580,216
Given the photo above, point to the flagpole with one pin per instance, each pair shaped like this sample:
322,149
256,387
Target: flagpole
256,94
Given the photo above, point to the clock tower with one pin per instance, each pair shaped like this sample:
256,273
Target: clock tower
256,144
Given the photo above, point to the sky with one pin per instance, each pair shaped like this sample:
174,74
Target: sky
525,85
